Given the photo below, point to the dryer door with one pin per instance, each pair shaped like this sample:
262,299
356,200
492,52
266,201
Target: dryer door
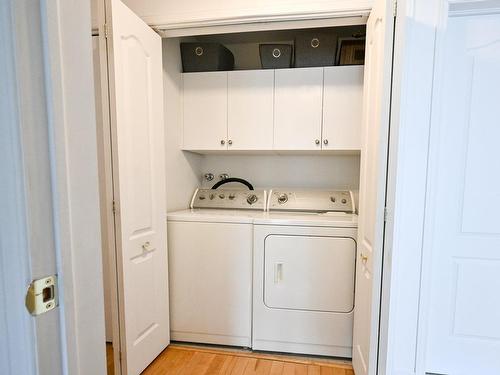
309,273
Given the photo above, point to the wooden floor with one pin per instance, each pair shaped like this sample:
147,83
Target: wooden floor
109,359
187,360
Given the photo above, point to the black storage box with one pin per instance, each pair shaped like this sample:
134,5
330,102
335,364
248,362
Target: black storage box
205,57
275,56
315,49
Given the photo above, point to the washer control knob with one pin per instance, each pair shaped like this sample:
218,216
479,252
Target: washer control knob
232,196
202,197
282,198
344,201
222,196
252,199
333,199
212,196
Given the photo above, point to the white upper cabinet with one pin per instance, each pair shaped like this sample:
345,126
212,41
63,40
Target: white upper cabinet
342,107
301,109
205,111
298,109
250,110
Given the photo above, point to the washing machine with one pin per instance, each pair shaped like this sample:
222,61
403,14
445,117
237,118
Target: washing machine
304,273
210,266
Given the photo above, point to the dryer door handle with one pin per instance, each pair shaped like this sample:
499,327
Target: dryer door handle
278,272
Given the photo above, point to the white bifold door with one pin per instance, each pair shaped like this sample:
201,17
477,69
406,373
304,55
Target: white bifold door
136,113
462,235
374,148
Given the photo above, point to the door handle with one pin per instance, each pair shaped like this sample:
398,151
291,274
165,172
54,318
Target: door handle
364,258
146,245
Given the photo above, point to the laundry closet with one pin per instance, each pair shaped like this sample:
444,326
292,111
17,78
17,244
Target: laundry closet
298,158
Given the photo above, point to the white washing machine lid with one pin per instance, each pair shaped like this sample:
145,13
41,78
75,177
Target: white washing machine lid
327,219
215,216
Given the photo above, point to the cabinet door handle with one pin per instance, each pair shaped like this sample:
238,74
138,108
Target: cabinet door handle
325,142
230,142
222,142
317,141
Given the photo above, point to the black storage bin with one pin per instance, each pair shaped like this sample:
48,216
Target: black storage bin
315,49
205,57
275,56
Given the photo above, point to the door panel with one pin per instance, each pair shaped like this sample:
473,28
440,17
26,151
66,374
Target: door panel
309,273
375,129
464,201
250,110
342,107
211,282
298,109
205,111
136,92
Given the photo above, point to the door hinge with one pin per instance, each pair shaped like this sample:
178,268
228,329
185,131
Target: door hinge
386,214
114,207
41,295
106,30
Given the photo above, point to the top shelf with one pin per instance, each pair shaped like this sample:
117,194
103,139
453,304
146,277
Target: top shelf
343,45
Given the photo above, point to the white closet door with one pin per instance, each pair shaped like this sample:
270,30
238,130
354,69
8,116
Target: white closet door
462,235
136,97
250,110
298,109
342,107
375,129
205,111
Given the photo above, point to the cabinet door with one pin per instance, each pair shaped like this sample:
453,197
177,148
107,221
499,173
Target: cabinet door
342,107
250,110
205,111
297,109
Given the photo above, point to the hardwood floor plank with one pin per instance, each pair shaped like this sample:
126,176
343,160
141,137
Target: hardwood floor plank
216,364
228,365
313,370
288,368
300,369
239,365
276,368
326,370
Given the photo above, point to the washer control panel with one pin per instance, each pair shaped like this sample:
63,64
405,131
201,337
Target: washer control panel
311,200
230,199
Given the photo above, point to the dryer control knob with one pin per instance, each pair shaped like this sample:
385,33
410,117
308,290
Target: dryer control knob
282,198
252,199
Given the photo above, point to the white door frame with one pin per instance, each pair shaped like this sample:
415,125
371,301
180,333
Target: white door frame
406,185
53,166
75,184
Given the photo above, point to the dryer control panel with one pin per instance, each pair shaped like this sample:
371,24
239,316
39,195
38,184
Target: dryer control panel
229,198
311,200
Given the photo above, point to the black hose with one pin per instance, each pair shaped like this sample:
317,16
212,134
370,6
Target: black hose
233,179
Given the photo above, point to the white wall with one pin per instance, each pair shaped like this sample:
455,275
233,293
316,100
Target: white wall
301,171
183,168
